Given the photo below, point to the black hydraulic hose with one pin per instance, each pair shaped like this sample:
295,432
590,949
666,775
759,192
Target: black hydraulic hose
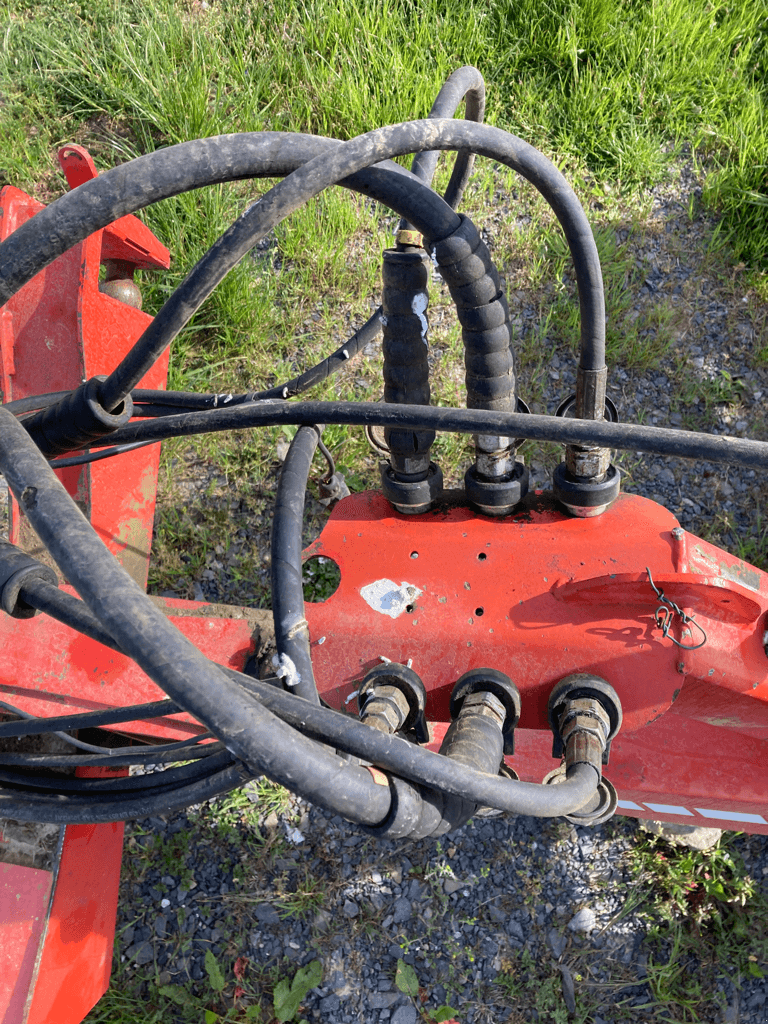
250,732
682,444
177,169
32,404
102,788
88,719
61,808
349,158
291,627
463,84
88,457
114,757
65,608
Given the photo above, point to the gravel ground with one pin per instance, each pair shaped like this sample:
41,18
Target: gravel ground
507,919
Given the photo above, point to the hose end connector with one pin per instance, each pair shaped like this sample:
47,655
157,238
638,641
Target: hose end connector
499,686
392,699
584,715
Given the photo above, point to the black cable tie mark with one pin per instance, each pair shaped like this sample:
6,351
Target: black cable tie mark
664,617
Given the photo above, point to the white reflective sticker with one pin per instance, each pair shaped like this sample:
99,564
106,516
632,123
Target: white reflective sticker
758,819
669,809
629,806
388,598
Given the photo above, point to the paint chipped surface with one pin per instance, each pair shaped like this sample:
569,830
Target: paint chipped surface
419,307
387,598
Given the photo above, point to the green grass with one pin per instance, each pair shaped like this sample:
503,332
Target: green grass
707,920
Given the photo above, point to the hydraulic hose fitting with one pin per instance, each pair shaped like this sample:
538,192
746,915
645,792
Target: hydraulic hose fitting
587,483
77,420
585,715
496,482
410,481
489,681
392,699
485,707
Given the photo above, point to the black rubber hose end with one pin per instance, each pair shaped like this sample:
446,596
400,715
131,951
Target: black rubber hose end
586,498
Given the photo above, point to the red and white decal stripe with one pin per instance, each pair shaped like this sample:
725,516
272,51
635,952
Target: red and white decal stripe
705,812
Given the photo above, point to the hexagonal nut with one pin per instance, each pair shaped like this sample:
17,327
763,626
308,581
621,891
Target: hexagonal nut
591,463
584,724
386,710
492,442
484,703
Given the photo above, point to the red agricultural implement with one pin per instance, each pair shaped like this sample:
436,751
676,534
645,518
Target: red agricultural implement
491,646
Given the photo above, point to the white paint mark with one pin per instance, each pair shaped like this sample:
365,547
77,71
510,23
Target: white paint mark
629,806
757,819
419,307
669,809
345,353
383,320
285,669
388,598
285,392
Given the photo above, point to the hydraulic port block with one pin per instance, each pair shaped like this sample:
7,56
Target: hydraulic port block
393,699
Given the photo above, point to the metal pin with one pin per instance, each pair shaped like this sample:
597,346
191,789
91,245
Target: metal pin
387,661
321,640
351,697
409,663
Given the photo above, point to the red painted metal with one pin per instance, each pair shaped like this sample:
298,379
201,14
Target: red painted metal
48,669
76,959
24,900
541,595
